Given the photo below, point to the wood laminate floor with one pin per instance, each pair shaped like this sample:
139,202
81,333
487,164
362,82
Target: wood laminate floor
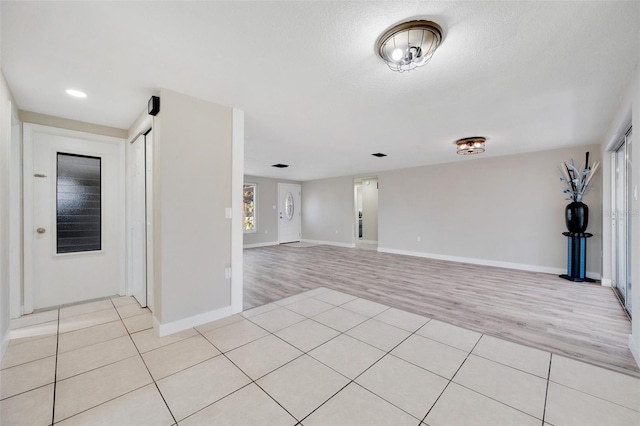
577,320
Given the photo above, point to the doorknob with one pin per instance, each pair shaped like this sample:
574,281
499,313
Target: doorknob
41,230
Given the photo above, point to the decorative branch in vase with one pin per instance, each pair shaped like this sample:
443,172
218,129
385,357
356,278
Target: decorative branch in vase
577,181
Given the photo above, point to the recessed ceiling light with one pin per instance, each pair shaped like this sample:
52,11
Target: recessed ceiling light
280,166
379,155
76,93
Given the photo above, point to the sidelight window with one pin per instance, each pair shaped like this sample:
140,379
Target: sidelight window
249,222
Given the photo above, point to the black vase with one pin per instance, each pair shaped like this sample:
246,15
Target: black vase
577,217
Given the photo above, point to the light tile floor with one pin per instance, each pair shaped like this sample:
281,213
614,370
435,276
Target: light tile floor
317,358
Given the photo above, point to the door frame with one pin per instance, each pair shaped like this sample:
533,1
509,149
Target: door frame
145,126
27,178
15,214
361,181
623,143
299,209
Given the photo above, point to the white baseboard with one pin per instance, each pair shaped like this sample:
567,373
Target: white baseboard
329,243
485,262
635,349
606,282
367,241
256,245
5,343
194,321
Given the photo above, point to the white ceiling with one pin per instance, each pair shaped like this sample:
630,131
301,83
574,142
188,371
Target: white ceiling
527,75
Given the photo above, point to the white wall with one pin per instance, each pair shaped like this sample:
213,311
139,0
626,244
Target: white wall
7,108
267,212
192,186
628,113
503,210
438,203
328,211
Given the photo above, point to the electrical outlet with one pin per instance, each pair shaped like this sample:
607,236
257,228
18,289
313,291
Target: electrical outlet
266,231
419,239
227,272
227,213
336,232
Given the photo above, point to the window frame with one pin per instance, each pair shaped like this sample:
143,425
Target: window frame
255,208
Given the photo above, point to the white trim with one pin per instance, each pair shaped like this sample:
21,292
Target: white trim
27,177
329,243
485,262
15,214
366,241
5,343
145,125
635,349
606,282
237,182
122,216
27,218
256,245
189,322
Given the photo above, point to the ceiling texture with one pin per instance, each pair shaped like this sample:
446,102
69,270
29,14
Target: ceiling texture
528,76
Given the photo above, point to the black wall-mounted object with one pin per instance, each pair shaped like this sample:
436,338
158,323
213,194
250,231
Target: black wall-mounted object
154,105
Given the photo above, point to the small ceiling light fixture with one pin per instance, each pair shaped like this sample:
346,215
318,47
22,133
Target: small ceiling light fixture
280,166
409,45
76,93
379,155
470,146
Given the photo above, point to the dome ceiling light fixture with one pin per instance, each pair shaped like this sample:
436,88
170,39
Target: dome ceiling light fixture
409,45
470,146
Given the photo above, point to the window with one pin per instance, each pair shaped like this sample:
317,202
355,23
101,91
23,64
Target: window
78,205
249,222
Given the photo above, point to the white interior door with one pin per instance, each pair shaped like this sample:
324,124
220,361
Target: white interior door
148,141
289,213
74,216
138,219
622,196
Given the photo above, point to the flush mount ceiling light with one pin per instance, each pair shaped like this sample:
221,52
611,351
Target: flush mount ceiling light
470,146
409,45
76,93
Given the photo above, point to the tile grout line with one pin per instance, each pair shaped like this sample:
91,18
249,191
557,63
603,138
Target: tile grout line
55,372
249,377
546,391
292,360
450,380
145,364
487,396
365,370
116,397
355,338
